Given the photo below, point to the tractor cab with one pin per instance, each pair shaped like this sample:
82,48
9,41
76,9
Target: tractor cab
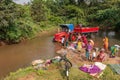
64,32
67,27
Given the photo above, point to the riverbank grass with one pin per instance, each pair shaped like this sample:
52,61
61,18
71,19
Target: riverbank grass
54,72
20,73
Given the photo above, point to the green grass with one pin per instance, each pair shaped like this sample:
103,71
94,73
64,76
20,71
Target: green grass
54,72
109,75
19,73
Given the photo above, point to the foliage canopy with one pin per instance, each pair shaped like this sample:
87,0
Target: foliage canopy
19,22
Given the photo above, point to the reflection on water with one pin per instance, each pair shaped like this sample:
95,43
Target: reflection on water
112,36
109,34
20,55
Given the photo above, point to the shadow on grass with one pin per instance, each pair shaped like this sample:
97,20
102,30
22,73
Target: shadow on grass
62,70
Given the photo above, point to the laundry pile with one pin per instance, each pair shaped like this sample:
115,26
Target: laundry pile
43,64
95,69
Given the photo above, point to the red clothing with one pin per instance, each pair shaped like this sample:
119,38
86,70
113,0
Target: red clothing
73,38
84,40
101,56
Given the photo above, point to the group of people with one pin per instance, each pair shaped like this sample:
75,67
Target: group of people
82,42
79,43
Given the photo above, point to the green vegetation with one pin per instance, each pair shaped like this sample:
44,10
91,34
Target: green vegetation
55,73
19,73
20,22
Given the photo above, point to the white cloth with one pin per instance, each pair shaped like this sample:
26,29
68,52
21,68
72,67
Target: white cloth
39,61
117,47
94,54
63,39
70,47
100,65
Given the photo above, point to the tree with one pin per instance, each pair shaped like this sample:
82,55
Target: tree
9,11
38,10
107,17
72,11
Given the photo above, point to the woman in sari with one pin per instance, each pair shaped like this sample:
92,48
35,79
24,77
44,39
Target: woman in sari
101,56
113,50
105,43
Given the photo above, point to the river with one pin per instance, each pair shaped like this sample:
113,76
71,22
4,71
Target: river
13,57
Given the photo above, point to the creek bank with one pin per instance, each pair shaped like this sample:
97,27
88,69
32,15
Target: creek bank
2,43
39,34
54,72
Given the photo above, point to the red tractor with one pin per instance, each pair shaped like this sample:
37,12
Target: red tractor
68,30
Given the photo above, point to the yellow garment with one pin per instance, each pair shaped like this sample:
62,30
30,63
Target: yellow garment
79,47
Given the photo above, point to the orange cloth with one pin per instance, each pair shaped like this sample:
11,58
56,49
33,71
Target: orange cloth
105,40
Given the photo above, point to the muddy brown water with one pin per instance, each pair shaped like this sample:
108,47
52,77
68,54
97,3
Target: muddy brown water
13,57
